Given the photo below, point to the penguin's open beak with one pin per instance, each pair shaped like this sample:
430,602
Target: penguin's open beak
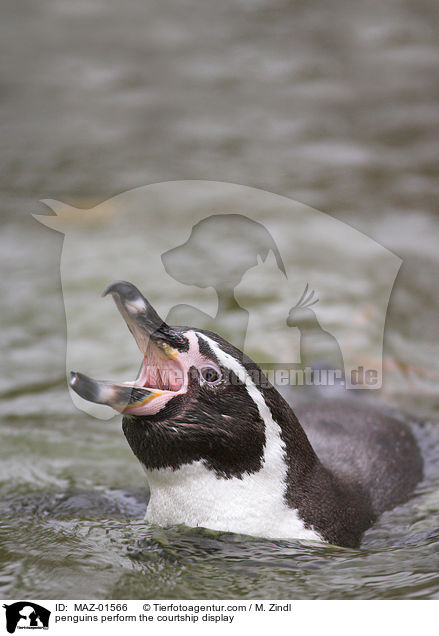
143,321
160,345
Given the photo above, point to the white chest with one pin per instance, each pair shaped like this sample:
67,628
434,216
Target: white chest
253,505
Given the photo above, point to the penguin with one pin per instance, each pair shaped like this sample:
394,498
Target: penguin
223,450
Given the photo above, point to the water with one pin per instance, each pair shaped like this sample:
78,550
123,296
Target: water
336,107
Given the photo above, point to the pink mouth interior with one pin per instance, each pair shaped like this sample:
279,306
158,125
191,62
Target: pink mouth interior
158,373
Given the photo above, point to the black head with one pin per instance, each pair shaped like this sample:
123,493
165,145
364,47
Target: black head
196,398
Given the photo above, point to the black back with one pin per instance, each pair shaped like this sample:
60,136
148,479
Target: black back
362,445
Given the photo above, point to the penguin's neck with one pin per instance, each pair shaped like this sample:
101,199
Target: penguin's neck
338,510
255,503
291,495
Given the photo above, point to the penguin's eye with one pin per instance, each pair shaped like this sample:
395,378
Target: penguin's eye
210,375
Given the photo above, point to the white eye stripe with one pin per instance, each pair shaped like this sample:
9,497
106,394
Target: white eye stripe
272,430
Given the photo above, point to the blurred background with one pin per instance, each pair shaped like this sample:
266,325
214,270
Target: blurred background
334,105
